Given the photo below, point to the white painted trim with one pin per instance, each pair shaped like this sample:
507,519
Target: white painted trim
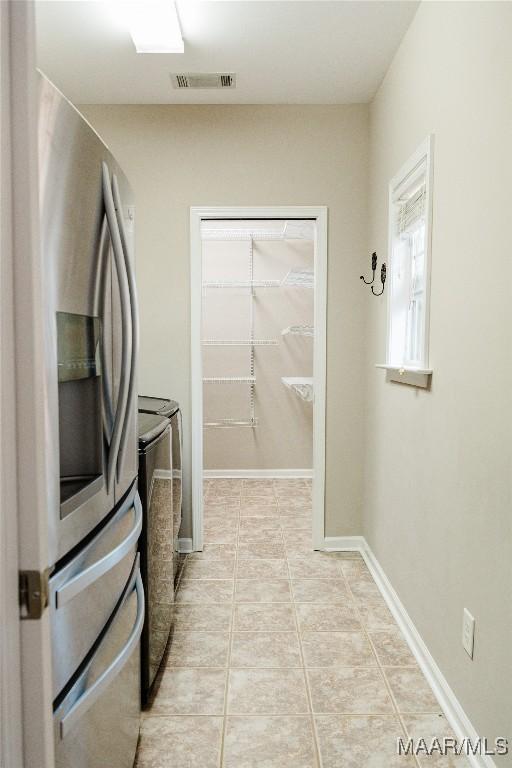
319,213
415,377
185,546
343,544
452,708
11,736
423,154
196,376
255,473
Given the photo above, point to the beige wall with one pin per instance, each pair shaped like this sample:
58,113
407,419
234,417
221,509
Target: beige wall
178,156
438,485
283,438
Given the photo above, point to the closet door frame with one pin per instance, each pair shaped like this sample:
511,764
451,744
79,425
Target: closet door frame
319,215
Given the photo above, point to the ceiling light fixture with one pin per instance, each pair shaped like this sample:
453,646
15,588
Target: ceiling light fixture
155,27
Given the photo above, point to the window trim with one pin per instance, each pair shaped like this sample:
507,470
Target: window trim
416,376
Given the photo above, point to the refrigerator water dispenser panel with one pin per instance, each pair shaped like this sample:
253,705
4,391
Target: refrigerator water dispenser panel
80,408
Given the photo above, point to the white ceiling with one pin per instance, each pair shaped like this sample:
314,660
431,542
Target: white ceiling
283,51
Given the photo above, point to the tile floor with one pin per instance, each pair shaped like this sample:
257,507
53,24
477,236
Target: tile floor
283,657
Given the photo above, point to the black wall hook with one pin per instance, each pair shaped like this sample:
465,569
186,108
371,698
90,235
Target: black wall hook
382,279
374,267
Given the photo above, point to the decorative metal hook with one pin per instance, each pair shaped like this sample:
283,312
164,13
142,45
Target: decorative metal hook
374,267
382,279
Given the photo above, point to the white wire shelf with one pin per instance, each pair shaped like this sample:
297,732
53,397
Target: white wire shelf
298,330
300,278
301,386
229,380
242,234
241,284
293,229
239,342
232,423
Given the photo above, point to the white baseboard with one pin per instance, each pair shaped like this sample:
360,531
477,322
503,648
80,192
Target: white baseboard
451,706
344,543
185,546
255,473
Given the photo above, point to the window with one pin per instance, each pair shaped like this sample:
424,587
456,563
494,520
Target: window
409,257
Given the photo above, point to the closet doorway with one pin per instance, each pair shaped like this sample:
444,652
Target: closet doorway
258,333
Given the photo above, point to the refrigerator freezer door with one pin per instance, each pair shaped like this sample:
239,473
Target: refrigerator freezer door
77,259
97,723
84,594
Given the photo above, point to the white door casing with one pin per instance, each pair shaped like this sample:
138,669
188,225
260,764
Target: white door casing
319,214
26,715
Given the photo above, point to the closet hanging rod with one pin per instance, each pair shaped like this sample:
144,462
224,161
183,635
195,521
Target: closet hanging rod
239,342
241,284
232,423
299,330
229,379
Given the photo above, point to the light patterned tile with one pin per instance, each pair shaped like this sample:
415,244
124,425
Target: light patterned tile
293,524
303,508
360,742
263,616
209,569
190,692
267,691
255,538
349,690
258,502
265,649
219,513
218,536
315,566
363,587
430,727
262,591
202,617
320,591
265,549
228,485
196,591
391,648
259,525
257,493
223,499
319,617
411,691
269,742
337,649
259,510
192,741
256,568
375,614
198,649
214,551
299,549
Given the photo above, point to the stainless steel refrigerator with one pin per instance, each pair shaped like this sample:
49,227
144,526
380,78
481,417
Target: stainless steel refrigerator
96,595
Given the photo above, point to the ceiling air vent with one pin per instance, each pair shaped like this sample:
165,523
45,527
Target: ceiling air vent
204,80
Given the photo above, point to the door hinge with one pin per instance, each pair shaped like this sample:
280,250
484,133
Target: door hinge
33,593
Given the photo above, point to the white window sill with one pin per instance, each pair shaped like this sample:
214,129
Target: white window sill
415,377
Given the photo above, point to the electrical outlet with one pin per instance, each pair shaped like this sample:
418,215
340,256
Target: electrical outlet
468,632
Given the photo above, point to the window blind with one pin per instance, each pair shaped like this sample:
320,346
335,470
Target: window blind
412,210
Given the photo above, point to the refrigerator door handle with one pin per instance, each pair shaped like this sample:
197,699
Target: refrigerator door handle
75,585
124,379
99,304
130,278
92,694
